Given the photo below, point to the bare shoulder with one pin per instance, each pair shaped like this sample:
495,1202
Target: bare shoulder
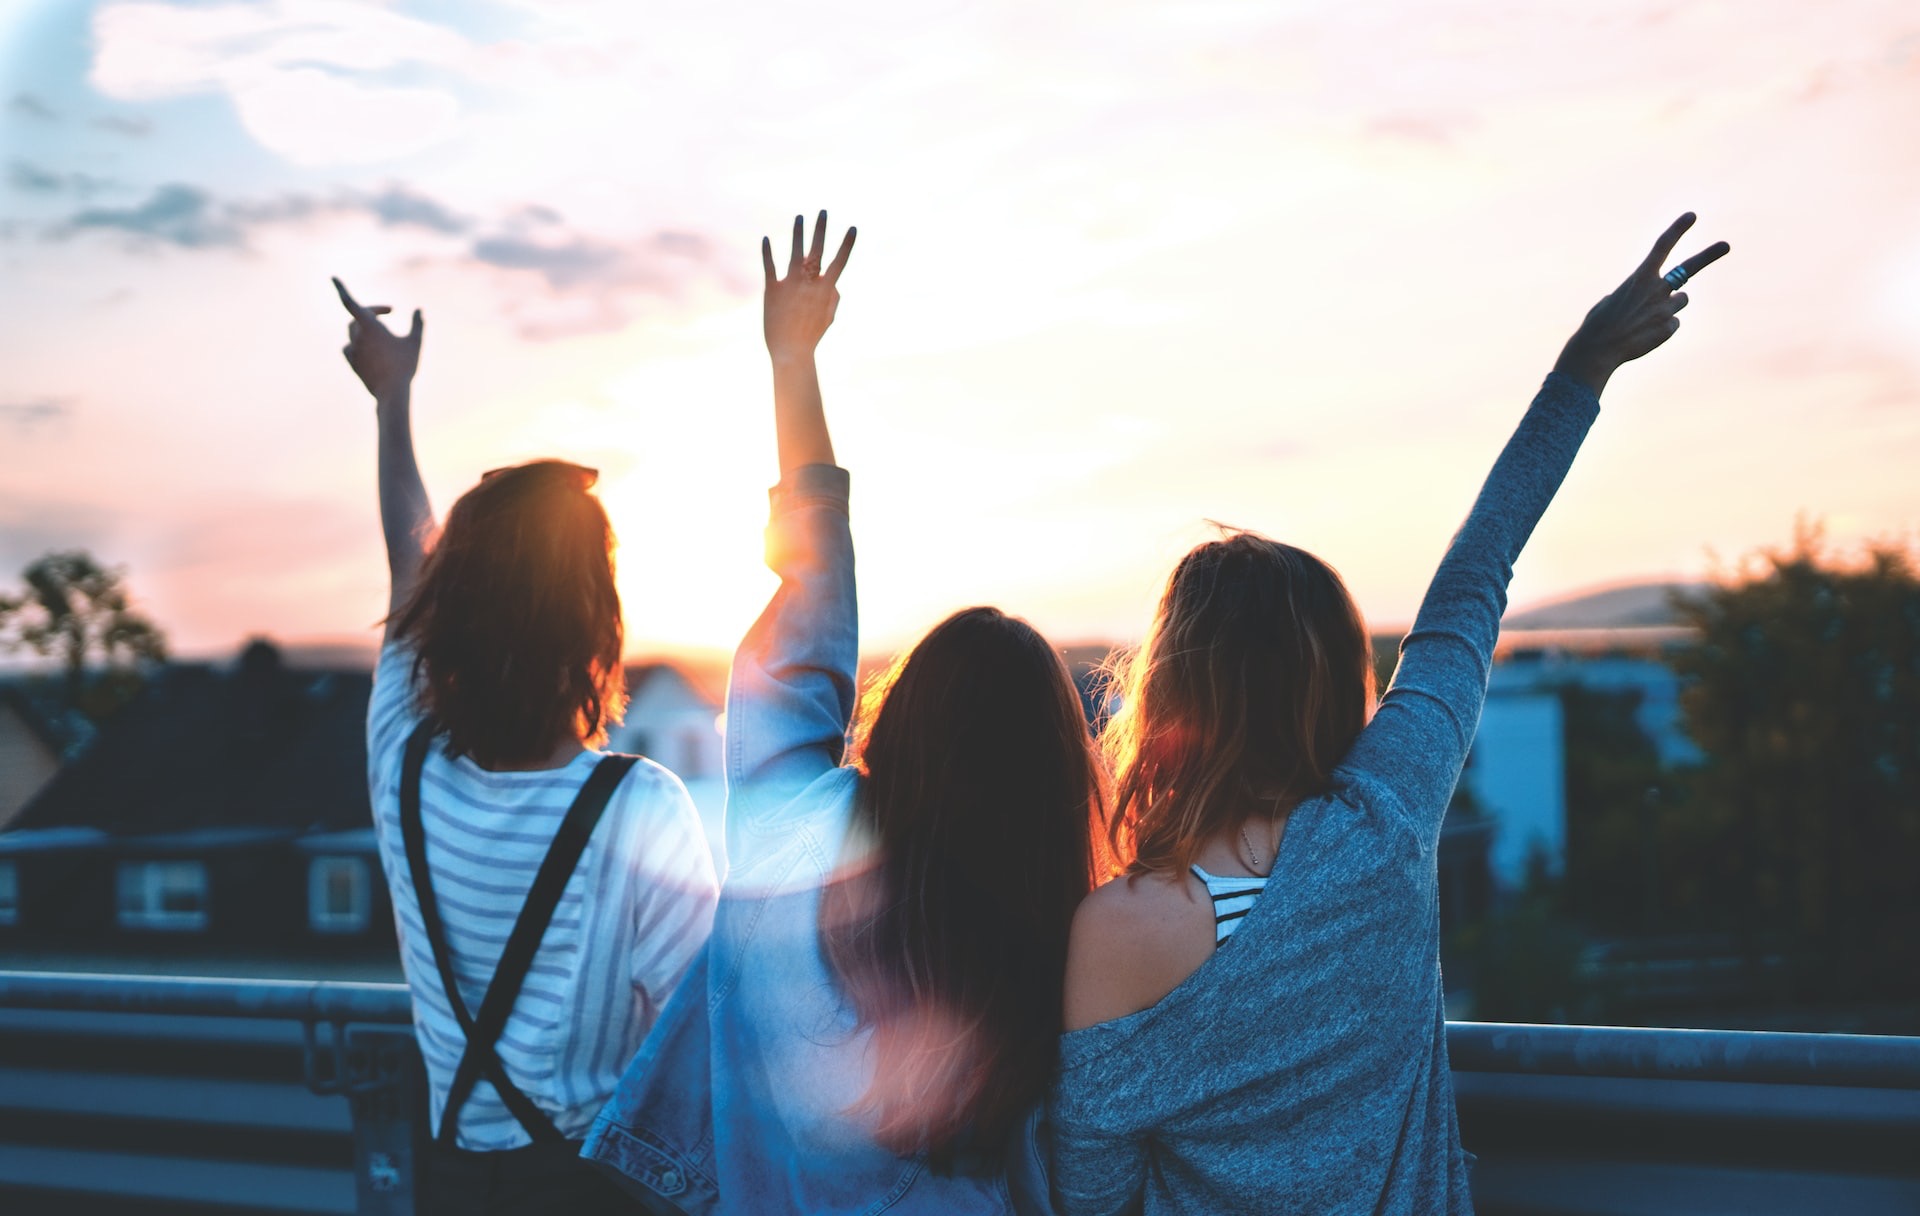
1134,940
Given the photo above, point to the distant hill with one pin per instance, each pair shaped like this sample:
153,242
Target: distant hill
1629,606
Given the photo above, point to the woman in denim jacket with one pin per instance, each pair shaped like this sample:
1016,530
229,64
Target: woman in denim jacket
876,1016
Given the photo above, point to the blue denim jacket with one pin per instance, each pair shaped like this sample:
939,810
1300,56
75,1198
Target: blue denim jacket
737,1101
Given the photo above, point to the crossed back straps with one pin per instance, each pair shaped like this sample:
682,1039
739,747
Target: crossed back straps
483,1031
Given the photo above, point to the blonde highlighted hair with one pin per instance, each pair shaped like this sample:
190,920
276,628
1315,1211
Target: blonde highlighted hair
1254,679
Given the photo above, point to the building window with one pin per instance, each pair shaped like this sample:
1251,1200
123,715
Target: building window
168,895
9,893
339,895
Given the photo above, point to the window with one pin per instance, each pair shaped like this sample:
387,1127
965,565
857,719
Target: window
9,893
339,899
166,895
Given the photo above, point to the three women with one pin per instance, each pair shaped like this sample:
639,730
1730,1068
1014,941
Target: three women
1252,1014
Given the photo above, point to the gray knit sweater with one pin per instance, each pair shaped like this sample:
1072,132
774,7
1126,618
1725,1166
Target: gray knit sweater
1303,1067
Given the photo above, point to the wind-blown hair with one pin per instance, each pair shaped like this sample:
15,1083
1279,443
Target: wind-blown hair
982,792
515,622
1255,678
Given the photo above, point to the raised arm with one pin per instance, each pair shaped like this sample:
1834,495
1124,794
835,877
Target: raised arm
791,694
385,363
1417,742
795,315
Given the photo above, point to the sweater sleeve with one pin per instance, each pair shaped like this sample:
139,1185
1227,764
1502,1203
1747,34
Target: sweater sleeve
1095,1174
1417,743
791,693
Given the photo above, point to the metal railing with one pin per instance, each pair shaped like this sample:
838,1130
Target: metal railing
276,1096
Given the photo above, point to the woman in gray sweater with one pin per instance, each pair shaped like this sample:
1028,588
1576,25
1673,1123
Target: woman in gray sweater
1254,1012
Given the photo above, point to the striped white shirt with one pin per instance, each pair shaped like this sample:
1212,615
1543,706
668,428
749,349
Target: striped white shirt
1233,896
634,913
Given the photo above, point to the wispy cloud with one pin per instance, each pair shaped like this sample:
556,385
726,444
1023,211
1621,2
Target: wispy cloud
30,178
188,217
398,207
34,412
302,75
132,127
28,105
584,282
175,215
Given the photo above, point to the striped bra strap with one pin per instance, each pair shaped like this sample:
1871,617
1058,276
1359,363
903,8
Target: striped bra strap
1233,897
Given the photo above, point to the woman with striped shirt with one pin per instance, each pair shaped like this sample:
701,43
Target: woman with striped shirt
548,897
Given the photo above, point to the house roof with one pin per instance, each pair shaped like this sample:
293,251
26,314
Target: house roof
255,745
62,731
707,678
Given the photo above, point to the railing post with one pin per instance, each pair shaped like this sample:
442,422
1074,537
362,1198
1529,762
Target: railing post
379,1070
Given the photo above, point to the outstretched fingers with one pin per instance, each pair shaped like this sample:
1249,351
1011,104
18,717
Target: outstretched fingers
840,258
766,260
795,257
1663,247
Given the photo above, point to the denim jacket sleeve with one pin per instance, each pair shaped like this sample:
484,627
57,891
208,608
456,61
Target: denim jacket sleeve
1417,743
790,698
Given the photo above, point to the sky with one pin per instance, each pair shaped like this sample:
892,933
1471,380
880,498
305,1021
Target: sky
1124,268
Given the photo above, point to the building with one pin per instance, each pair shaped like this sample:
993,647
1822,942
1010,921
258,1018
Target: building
223,813
675,716
37,734
1516,772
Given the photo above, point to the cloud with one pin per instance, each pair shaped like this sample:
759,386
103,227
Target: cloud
585,283
174,215
121,124
291,69
30,414
29,106
32,179
398,207
188,217
591,284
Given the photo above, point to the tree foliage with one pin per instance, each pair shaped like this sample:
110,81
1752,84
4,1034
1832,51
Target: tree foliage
76,611
1804,692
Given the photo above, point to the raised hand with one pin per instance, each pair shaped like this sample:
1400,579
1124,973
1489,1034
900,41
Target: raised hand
799,308
384,361
1639,315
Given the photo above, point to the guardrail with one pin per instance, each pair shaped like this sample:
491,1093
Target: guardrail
128,1094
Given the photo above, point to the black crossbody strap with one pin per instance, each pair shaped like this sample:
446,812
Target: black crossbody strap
483,1030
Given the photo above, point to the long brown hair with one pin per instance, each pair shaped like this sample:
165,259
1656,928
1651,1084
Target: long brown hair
515,622
982,792
1254,680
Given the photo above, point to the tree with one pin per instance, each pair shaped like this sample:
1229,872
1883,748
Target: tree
1804,693
75,610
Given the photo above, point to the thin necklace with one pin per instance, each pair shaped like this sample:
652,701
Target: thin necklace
1253,858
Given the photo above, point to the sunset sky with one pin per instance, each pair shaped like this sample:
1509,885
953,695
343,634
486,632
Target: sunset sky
1123,268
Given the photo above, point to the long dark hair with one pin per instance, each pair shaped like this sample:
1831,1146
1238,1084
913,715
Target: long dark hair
1253,682
515,622
983,795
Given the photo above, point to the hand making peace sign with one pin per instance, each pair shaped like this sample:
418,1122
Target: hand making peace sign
1639,315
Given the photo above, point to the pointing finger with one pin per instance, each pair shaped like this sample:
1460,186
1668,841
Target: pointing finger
348,301
419,328
840,258
799,230
1664,246
766,258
